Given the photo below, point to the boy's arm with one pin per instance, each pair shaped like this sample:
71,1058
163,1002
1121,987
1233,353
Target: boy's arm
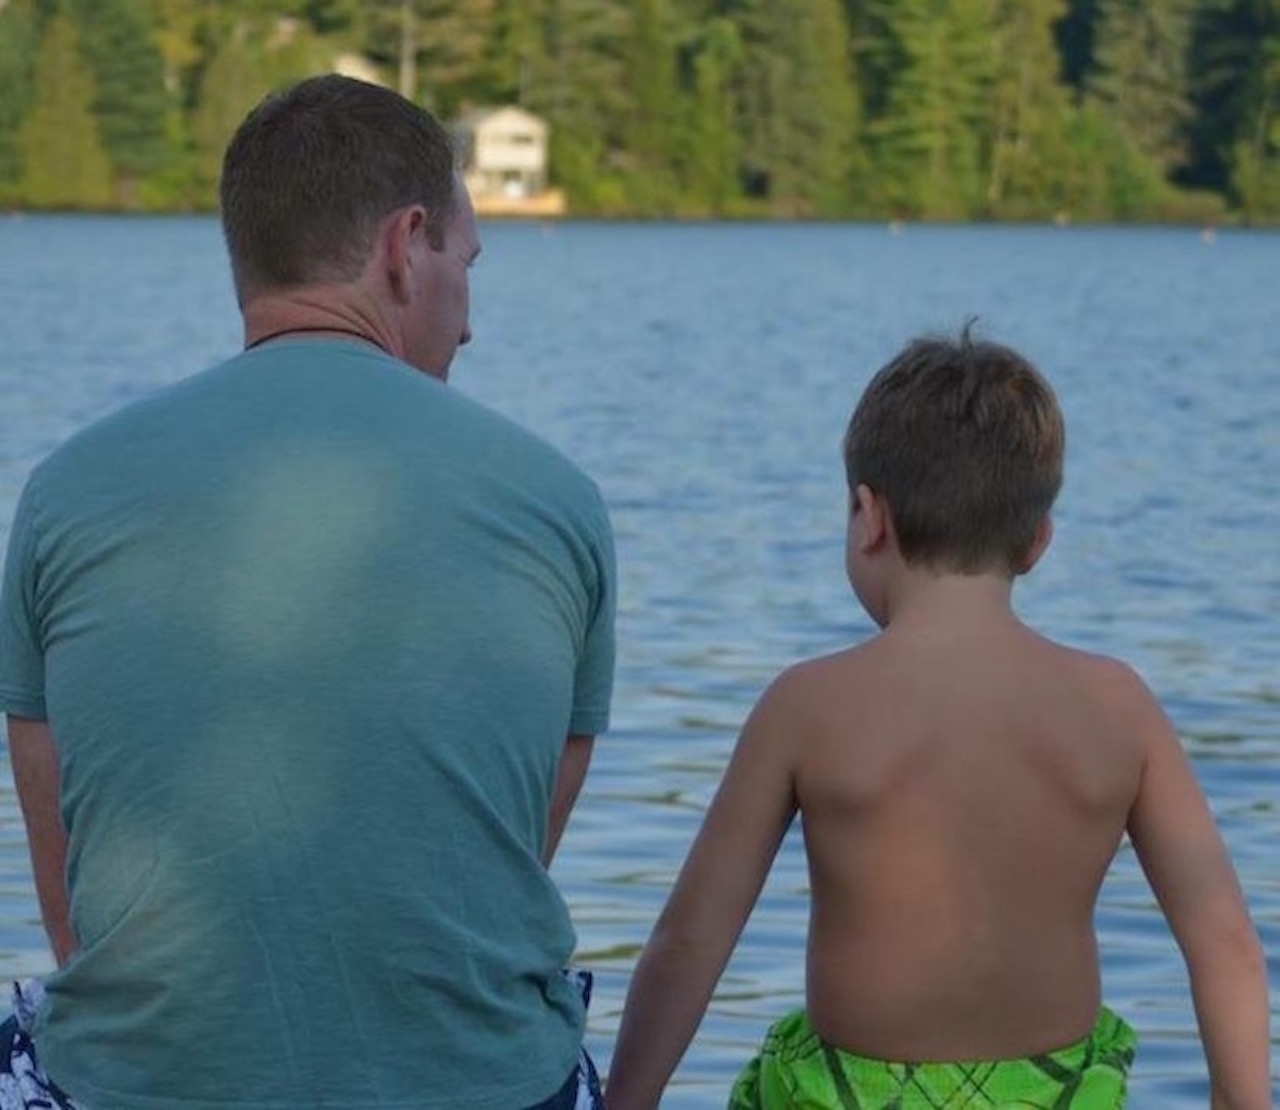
1186,862
708,907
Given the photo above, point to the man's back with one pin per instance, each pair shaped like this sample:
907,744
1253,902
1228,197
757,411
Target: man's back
315,628
963,788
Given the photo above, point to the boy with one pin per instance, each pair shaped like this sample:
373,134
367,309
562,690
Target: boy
964,784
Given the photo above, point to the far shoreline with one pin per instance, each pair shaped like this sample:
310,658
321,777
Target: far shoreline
893,225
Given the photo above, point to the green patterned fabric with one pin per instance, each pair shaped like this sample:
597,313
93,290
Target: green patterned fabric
797,1070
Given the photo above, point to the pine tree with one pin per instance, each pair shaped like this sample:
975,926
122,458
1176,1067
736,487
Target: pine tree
1256,165
335,16
653,128
1107,176
455,35
1075,35
18,40
132,104
928,139
575,77
1030,111
1235,82
436,47
800,109
1225,39
252,50
178,27
1141,75
514,42
235,79
713,170
64,163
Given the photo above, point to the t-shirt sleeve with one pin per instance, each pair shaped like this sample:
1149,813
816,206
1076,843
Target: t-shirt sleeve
21,650
593,680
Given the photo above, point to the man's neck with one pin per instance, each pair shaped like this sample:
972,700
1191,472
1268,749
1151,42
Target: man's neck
315,311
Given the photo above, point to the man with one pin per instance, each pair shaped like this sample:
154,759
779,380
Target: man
303,659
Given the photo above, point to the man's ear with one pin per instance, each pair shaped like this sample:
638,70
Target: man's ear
396,244
872,518
1039,545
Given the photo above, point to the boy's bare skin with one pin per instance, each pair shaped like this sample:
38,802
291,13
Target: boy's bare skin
982,760
964,784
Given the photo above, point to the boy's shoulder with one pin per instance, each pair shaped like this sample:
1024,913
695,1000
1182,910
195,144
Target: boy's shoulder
816,671
1102,677
857,677
1106,675
811,688
816,679
1107,692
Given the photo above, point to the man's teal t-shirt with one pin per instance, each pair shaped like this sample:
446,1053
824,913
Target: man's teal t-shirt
310,629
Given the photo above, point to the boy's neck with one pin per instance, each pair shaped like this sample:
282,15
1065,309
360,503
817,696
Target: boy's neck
920,596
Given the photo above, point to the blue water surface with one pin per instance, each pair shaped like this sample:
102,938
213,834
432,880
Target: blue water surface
704,374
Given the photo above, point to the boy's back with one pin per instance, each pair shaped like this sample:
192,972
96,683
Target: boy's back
963,784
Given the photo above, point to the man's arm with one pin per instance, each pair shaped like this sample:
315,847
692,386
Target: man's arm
569,779
1186,862
707,909
34,756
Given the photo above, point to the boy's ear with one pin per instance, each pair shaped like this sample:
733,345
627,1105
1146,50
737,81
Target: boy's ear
872,517
1039,545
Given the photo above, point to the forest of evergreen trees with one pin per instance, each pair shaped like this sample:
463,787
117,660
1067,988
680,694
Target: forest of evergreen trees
911,109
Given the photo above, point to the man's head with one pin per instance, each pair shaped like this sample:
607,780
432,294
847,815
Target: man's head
315,178
963,442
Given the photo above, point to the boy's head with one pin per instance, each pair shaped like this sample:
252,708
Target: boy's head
963,441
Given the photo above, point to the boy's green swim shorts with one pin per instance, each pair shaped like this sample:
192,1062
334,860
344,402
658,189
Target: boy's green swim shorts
796,1070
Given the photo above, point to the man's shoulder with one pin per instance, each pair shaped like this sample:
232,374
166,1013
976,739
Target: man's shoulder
519,451
97,444
520,440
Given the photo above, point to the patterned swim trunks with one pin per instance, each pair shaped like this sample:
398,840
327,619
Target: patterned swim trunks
797,1070
23,1083
583,1086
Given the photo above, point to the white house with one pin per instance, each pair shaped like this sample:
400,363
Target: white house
503,152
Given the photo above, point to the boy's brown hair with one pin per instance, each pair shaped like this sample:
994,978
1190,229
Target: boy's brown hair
963,439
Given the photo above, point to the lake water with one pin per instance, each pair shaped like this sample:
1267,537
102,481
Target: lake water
703,374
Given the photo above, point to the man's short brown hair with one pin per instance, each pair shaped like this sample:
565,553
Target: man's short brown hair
312,172
964,441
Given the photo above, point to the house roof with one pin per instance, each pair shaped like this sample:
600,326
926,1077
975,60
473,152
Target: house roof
472,119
